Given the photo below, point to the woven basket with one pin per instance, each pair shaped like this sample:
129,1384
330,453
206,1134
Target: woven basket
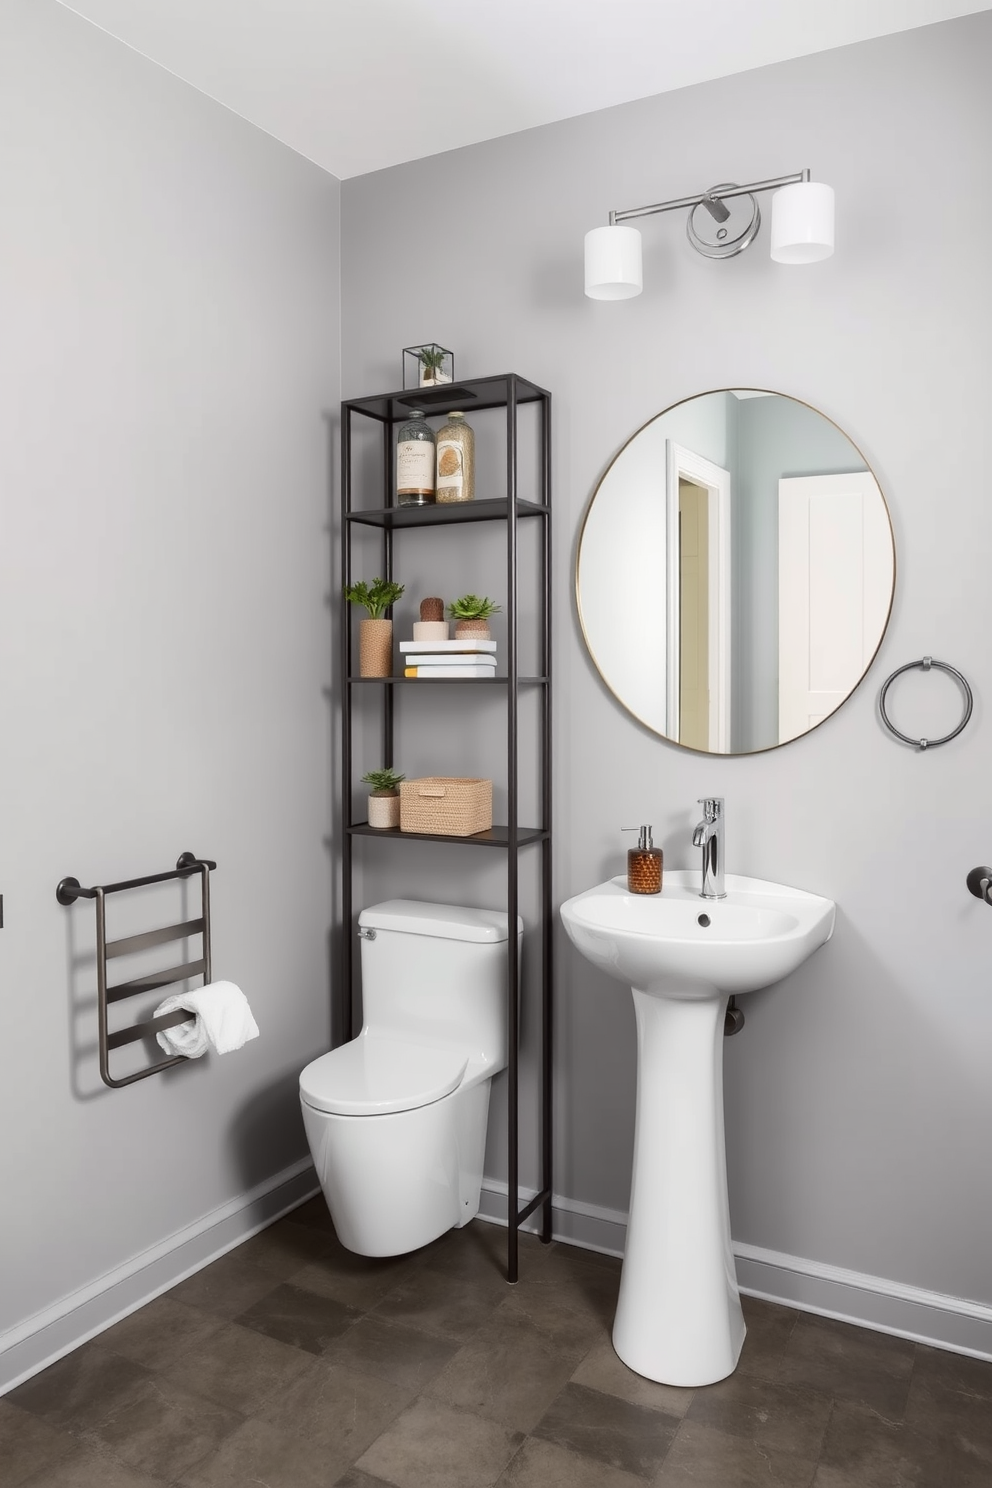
446,805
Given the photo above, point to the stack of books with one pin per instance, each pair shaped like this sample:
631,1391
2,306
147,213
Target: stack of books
468,658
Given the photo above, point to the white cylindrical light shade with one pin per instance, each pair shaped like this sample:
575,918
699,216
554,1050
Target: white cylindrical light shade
803,223
613,263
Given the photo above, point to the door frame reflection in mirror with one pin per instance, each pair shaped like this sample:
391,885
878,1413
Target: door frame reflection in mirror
642,566
684,464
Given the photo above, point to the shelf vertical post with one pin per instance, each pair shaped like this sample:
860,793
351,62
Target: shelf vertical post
344,610
387,568
513,847
547,912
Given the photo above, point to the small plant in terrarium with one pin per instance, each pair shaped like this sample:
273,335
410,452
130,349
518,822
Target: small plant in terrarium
427,366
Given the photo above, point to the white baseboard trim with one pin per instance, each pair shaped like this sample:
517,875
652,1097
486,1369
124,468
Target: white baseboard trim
48,1335
954,1323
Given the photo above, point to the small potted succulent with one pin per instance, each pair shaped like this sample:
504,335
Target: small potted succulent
472,616
375,638
384,797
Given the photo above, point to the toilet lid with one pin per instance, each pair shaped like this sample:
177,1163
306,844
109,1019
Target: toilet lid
372,1076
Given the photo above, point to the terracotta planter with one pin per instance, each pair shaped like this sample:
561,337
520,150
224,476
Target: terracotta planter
384,809
375,648
477,628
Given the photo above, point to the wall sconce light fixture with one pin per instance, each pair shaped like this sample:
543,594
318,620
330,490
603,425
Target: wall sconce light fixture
722,222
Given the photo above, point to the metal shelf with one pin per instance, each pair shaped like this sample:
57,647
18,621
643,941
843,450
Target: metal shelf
469,396
508,393
489,509
447,681
494,837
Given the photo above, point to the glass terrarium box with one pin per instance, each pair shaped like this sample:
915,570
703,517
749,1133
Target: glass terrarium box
427,366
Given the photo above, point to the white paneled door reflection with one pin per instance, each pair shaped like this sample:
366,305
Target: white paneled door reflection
835,544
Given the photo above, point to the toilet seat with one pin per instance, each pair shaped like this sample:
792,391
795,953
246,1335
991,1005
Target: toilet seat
372,1076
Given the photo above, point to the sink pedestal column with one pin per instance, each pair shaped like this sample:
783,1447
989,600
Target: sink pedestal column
679,1318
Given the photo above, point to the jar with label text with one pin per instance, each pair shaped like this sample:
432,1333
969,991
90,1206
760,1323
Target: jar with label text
455,460
415,452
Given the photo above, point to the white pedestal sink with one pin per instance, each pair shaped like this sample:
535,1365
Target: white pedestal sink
679,1316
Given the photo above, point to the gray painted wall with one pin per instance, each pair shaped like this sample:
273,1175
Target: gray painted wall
858,1097
169,348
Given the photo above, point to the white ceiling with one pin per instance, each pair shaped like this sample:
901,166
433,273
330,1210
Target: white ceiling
356,85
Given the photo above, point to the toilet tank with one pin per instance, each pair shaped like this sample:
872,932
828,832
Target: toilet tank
438,972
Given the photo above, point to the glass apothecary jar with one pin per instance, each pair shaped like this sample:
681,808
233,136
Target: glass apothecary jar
415,451
455,460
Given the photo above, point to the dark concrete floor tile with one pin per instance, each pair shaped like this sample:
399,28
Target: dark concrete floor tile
298,1317
359,1281
285,1248
314,1213
587,1257
565,1260
478,1252
428,1444
602,1370
875,1452
226,1287
850,1363
164,1430
159,1333
28,1444
952,1420
541,1464
89,1465
258,1453
82,1389
782,1418
769,1328
631,1438
953,1371
441,1304
402,1355
703,1457
509,1372
576,1303
238,1367
340,1409
355,1478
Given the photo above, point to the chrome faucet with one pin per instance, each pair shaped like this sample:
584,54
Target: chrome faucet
709,836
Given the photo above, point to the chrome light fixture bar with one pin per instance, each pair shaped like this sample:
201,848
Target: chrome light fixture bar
802,230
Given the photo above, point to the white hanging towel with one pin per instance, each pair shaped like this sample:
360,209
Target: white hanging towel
223,1021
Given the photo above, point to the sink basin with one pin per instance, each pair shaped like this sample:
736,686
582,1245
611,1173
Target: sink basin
756,935
679,1316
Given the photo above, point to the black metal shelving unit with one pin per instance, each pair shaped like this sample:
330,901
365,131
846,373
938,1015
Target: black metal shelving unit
508,392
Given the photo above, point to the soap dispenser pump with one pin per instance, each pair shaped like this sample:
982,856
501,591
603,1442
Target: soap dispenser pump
644,863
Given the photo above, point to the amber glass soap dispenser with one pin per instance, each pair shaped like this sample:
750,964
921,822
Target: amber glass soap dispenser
644,864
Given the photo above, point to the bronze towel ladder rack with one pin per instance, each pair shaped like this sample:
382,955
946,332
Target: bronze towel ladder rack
70,889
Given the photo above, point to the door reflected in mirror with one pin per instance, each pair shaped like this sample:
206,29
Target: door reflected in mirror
735,571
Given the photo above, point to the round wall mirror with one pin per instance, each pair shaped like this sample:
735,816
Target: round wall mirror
735,571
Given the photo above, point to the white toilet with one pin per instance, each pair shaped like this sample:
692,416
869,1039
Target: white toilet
396,1119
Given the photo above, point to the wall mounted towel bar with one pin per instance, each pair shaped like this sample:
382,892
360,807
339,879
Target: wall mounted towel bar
926,664
70,889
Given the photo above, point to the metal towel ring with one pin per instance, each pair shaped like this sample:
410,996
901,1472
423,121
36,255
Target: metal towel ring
925,665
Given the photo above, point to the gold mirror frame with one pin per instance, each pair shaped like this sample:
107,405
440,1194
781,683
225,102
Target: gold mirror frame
604,657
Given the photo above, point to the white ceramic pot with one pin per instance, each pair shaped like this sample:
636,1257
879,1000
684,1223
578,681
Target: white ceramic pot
384,809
